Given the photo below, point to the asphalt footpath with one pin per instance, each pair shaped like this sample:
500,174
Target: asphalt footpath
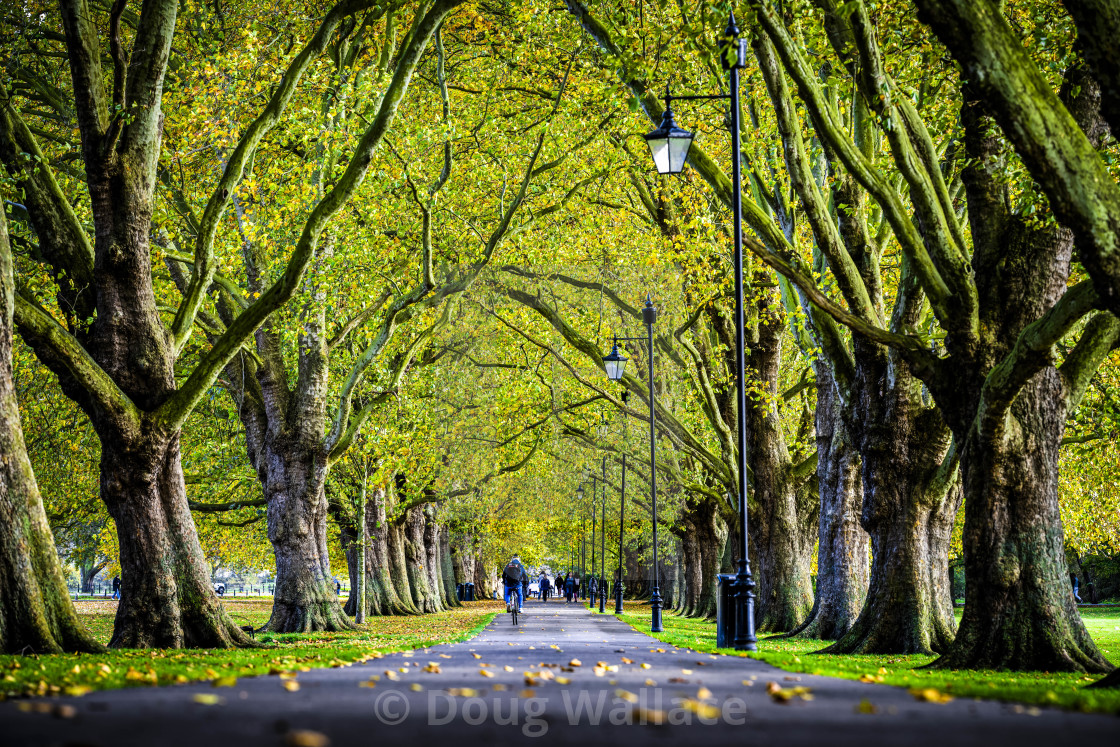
564,676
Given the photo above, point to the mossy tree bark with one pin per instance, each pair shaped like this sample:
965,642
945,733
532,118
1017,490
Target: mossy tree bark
702,532
36,614
782,510
842,543
1010,410
908,507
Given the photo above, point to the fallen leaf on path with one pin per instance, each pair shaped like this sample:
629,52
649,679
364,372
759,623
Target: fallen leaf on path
627,661
703,693
207,699
486,673
290,685
224,682
646,666
575,663
866,706
415,687
477,656
703,710
306,738
650,683
626,695
780,694
462,692
931,695
432,668
649,716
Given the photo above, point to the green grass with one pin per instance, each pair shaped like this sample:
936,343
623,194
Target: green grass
79,673
1031,688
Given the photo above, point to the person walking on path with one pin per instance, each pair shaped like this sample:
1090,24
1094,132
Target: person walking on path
546,586
116,587
569,586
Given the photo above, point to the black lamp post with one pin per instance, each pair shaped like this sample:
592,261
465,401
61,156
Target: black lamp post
591,590
582,538
669,146
621,507
615,365
603,546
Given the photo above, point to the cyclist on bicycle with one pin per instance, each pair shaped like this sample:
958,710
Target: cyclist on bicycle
511,578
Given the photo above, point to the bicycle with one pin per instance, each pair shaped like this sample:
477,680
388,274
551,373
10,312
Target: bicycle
513,600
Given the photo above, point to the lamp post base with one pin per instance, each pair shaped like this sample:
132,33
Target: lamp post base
618,598
745,639
603,598
591,602
655,609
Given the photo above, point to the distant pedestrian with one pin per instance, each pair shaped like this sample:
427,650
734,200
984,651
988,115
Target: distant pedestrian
116,588
546,586
337,587
575,586
569,587
1073,578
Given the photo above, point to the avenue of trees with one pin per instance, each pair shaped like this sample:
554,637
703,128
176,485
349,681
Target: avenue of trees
324,289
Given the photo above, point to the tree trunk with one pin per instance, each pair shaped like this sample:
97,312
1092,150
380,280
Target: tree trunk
167,599
88,573
305,598
433,571
361,561
423,594
36,614
783,556
399,574
348,539
907,512
842,558
780,526
692,568
447,570
1019,608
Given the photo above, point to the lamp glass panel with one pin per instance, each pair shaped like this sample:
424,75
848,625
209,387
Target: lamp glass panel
615,369
678,152
659,149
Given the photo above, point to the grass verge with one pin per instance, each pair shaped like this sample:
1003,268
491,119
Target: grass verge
76,674
1030,688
